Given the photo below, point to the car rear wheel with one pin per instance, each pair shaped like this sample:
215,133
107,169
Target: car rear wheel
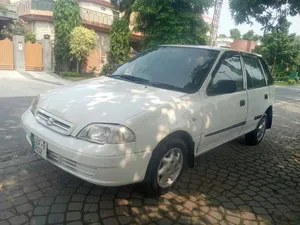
256,136
165,167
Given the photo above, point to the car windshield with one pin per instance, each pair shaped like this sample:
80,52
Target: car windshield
174,68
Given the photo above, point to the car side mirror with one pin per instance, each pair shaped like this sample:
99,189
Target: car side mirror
225,87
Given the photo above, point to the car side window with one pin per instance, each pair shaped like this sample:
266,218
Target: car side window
228,77
255,76
268,74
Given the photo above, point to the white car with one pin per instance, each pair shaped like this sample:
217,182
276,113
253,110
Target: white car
153,115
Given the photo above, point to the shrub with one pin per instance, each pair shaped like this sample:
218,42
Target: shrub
291,82
106,69
30,37
82,42
69,74
284,79
119,41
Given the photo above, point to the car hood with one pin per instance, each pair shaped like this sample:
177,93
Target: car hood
104,100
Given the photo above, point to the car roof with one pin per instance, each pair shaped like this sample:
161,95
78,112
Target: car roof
211,48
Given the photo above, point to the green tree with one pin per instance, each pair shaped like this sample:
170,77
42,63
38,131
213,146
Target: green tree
280,50
16,27
171,22
119,42
66,17
124,6
251,36
222,36
266,12
82,42
235,33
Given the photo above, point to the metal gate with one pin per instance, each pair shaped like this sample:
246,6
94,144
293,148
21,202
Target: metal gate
33,56
6,55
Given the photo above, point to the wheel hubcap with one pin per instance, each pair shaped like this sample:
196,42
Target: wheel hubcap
261,129
169,168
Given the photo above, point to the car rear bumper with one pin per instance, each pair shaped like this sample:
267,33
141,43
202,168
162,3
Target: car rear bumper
69,154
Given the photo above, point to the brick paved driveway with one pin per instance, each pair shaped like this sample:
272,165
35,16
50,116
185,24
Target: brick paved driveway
234,184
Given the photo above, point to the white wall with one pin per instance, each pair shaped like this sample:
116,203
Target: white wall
96,7
42,27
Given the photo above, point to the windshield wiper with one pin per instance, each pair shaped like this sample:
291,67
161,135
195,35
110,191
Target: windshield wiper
131,78
166,86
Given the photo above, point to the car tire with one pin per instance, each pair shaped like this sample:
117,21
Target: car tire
168,156
256,136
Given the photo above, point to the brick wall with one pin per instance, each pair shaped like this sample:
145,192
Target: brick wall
243,45
103,41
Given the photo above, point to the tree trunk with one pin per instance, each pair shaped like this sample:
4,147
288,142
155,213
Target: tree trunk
77,66
274,66
127,15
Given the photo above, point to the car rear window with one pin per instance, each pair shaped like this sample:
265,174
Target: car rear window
268,74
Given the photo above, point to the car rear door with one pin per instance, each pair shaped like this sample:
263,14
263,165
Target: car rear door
257,90
224,107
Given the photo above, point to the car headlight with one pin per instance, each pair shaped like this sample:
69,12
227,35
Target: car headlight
35,102
107,133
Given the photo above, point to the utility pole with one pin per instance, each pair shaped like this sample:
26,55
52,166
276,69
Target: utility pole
215,22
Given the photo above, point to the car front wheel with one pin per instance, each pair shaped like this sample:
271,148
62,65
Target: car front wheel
165,167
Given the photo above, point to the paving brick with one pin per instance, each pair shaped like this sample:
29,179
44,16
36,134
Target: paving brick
56,218
62,199
58,208
4,223
106,213
92,199
71,216
5,205
106,205
24,208
75,206
75,223
90,207
34,195
18,220
16,193
30,188
38,220
110,221
46,201
44,184
90,217
19,200
41,210
78,197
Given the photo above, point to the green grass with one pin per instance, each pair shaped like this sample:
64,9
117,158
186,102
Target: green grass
286,84
78,78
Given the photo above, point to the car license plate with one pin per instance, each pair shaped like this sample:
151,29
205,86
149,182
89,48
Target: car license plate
39,145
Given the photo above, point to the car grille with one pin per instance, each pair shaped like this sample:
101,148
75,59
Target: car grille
70,164
54,123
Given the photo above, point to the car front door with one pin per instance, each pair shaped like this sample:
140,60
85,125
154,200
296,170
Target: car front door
224,102
259,98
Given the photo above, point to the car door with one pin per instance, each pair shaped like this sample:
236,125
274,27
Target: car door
224,103
257,89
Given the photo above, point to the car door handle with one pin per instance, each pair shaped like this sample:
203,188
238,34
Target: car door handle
242,103
266,96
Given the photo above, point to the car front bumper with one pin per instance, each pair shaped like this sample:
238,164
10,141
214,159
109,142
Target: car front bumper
70,154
